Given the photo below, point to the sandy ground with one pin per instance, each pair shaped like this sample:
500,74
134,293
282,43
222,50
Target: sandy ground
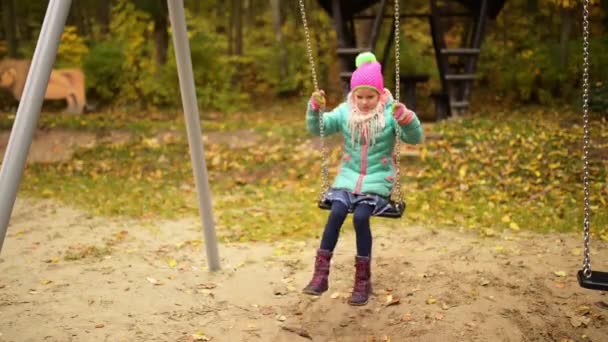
68,276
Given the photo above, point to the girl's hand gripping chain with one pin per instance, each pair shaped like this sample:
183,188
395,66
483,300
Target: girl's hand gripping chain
317,100
402,115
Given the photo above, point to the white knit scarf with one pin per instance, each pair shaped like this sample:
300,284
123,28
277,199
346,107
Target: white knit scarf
365,125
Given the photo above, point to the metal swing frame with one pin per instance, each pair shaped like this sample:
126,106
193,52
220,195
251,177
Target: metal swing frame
31,102
594,280
397,204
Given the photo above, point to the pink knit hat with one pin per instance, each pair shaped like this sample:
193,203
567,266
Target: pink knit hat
368,73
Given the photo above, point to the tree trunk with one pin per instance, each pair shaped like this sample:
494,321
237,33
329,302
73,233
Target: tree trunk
10,28
79,18
219,16
161,35
532,8
103,15
567,21
276,20
231,29
250,19
238,26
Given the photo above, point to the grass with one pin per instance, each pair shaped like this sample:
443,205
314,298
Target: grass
495,170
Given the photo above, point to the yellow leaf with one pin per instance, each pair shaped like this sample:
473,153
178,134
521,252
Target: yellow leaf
199,336
514,226
423,153
560,273
172,263
151,142
506,219
488,232
462,172
431,300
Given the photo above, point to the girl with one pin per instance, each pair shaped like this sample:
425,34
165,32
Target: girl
367,121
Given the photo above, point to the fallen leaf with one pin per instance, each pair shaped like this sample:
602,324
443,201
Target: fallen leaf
577,321
335,295
560,273
267,310
406,317
172,263
46,282
431,300
153,281
98,326
514,226
207,286
392,300
583,310
199,336
488,232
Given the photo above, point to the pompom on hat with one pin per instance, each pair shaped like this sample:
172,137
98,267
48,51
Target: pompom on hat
368,73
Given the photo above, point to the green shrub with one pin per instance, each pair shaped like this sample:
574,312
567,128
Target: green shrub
105,75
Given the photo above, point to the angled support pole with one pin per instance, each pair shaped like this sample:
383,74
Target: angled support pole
193,127
29,108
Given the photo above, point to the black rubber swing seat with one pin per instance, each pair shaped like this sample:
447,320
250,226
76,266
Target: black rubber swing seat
395,209
597,281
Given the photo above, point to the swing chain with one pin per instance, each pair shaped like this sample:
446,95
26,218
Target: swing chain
313,71
586,138
397,188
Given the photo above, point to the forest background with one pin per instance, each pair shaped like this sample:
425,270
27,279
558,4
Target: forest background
247,51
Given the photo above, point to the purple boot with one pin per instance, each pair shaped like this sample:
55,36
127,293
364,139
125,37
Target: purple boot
319,283
363,284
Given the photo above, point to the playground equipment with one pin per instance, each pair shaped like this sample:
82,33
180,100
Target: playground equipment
587,278
33,95
396,202
456,64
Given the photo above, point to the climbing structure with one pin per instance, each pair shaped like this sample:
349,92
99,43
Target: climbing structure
456,64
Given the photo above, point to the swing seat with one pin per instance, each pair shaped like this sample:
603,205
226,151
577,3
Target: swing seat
395,209
597,281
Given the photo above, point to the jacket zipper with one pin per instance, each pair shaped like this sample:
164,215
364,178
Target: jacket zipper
363,167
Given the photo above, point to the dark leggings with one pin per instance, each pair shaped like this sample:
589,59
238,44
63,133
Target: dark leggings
336,218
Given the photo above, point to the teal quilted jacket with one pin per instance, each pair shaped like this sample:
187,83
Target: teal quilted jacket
365,168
